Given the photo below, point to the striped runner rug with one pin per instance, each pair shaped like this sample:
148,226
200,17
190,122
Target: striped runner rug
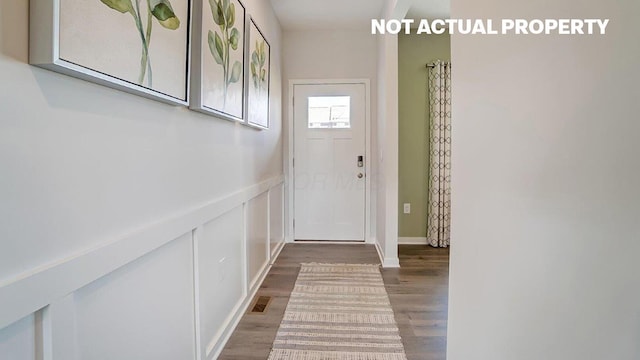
338,312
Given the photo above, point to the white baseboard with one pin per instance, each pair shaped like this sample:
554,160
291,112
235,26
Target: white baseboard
379,251
387,262
277,252
412,241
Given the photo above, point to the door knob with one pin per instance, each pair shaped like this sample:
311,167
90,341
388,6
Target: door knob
360,175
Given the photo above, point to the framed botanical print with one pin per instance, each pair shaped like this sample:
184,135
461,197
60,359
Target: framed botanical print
258,78
218,61
138,46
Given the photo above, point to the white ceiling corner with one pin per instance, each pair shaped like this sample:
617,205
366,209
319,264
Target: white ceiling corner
430,9
327,14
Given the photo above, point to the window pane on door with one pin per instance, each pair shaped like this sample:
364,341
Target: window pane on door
329,112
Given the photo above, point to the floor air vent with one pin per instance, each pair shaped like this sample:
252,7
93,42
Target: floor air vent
260,306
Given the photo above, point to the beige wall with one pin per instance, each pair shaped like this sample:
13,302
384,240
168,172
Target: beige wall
545,224
414,52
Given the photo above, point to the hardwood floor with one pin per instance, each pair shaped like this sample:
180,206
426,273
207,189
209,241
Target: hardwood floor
419,297
418,292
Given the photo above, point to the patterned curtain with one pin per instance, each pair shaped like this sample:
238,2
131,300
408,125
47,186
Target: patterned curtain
439,205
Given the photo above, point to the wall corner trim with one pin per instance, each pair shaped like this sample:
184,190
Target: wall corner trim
391,263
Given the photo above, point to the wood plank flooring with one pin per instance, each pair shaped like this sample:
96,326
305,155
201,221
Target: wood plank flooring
418,292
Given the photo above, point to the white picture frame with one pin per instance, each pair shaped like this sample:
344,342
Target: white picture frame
56,33
215,90
258,90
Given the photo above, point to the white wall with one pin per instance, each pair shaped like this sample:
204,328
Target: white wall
114,208
387,137
336,54
546,207
387,149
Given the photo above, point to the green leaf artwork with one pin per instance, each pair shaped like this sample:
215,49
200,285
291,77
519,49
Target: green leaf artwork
222,43
258,61
161,10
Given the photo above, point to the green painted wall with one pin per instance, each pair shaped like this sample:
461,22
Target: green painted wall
414,52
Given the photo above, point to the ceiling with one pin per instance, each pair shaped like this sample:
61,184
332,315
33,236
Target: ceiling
327,14
348,14
429,9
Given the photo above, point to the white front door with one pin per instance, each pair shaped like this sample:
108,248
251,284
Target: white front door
329,162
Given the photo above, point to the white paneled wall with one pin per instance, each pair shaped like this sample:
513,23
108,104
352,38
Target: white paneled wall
174,290
18,340
257,236
144,310
221,265
123,221
276,228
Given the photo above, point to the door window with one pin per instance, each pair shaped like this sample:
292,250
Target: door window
329,112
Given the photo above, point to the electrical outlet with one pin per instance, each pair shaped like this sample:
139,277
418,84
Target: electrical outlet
407,208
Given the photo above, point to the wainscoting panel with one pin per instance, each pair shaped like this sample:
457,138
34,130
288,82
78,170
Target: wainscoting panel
221,277
276,217
174,289
257,237
18,340
142,311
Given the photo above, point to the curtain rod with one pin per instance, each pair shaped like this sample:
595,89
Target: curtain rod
433,65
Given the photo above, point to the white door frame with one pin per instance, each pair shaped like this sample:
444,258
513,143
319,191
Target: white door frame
367,159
